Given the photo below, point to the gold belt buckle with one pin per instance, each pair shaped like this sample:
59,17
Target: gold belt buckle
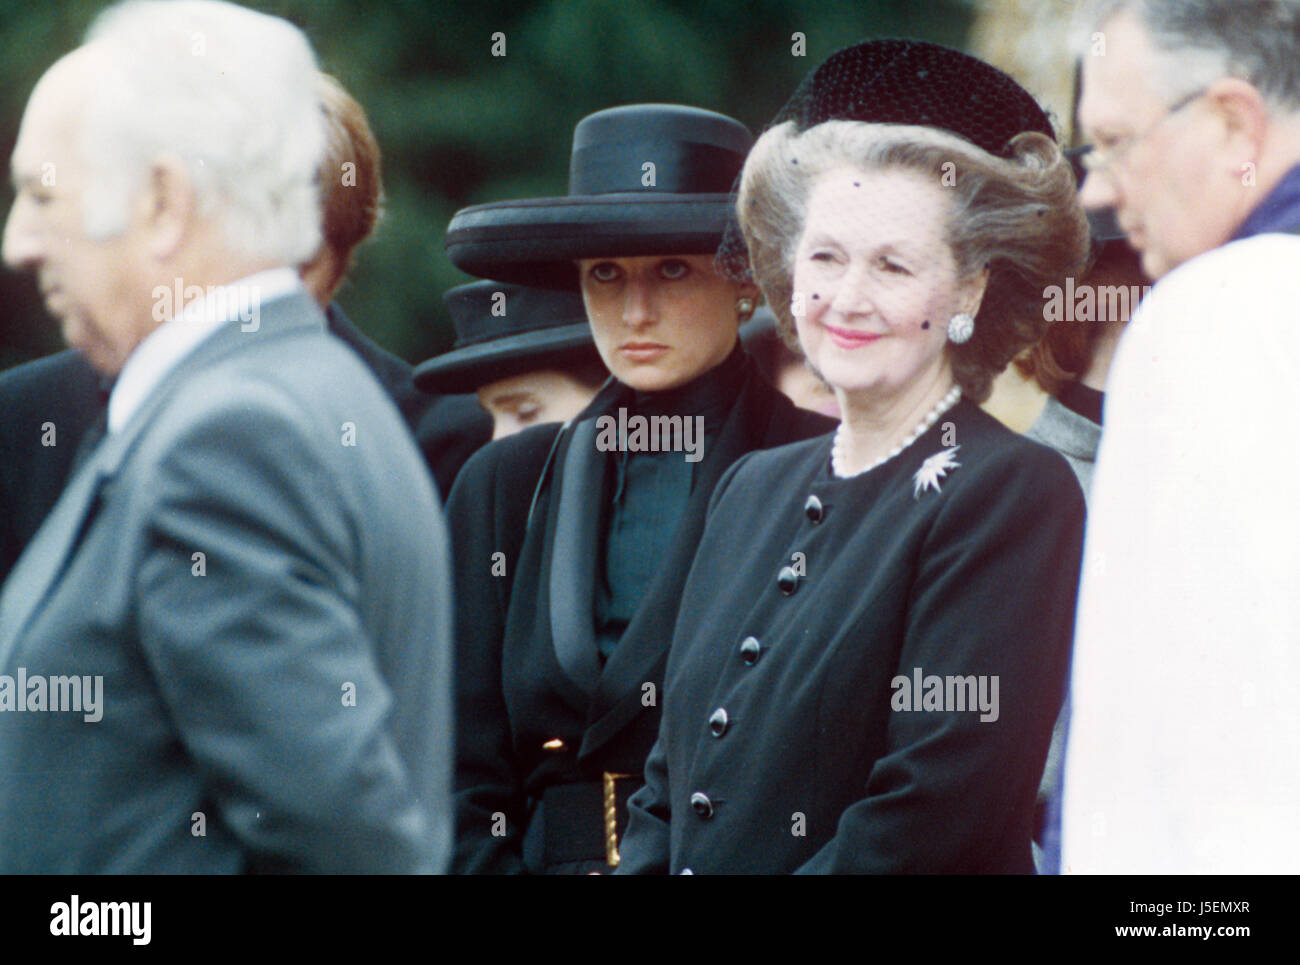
611,817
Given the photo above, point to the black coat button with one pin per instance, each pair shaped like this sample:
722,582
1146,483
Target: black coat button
701,805
718,722
750,649
787,580
813,509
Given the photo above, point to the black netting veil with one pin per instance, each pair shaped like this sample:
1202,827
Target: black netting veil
894,81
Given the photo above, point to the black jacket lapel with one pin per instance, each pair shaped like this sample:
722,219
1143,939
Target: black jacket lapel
641,653
571,578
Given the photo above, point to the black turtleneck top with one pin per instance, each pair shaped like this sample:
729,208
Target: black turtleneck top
647,493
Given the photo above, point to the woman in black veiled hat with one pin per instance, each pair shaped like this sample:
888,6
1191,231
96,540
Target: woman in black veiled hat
572,542
871,647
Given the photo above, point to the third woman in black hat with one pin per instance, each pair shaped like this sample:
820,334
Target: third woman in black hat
573,542
527,353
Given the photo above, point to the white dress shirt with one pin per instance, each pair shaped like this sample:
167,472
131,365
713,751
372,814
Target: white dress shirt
165,346
1184,743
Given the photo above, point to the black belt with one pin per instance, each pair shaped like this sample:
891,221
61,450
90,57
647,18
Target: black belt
584,822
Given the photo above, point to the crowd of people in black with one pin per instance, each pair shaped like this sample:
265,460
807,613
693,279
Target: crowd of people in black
668,618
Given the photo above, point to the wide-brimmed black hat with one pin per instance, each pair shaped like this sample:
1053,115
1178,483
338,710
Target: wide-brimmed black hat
503,330
644,179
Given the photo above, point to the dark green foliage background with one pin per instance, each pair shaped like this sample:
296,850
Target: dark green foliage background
459,126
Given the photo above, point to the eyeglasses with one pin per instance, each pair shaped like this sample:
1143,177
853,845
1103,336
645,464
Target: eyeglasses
1103,160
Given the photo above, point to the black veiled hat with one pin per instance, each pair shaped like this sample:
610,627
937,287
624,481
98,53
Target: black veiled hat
504,330
644,179
893,81
915,82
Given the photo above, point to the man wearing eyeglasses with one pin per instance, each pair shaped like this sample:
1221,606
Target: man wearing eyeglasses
1185,726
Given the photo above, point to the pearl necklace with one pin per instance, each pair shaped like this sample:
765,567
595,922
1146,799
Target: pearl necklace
837,447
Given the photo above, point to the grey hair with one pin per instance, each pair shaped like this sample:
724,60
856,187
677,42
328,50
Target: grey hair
232,94
1199,41
1017,217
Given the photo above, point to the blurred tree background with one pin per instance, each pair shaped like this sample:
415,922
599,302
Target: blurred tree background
460,126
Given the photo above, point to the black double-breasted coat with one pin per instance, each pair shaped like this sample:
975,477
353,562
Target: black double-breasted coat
539,718
801,729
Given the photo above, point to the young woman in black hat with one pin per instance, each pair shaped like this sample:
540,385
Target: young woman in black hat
527,353
871,648
573,542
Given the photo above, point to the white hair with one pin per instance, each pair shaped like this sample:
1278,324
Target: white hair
1198,41
232,94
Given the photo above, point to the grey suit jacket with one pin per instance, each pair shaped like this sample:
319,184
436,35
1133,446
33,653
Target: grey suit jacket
280,702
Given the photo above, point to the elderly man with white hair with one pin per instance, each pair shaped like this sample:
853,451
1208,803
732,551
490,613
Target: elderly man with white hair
236,619
1185,729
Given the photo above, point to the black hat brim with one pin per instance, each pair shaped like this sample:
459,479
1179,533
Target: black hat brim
536,241
466,369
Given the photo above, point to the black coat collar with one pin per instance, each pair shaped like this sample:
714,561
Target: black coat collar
759,418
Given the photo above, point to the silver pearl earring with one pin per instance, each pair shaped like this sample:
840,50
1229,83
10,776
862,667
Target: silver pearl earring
960,328
744,307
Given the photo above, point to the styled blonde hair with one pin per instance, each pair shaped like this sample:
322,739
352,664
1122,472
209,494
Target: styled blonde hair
1019,217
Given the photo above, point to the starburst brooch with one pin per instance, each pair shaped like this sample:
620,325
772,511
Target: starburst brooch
934,469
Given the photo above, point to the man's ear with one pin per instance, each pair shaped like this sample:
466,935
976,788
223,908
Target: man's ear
165,207
1240,109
